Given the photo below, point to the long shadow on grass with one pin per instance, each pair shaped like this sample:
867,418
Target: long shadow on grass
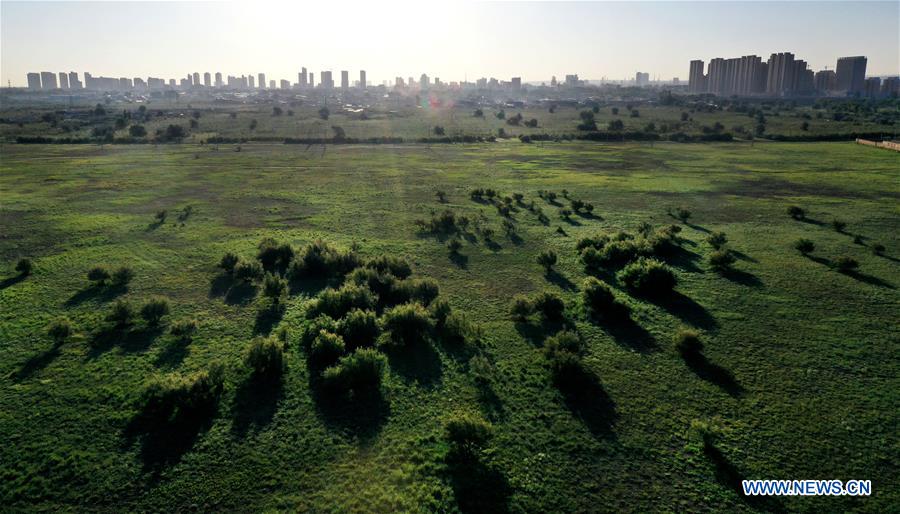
36,363
585,397
255,403
172,354
628,333
130,339
11,281
742,277
267,317
560,280
685,309
311,286
869,279
731,477
683,259
535,333
96,293
712,373
417,362
461,261
241,293
357,417
479,487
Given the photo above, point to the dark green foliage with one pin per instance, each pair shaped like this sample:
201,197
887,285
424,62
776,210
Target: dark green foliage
407,324
477,193
439,310
846,264
154,310
274,287
359,328
311,329
438,130
137,131
878,249
320,260
176,399
566,341
98,275
396,266
550,305
721,260
326,349
24,267
441,196
454,245
122,276
324,113
248,271
687,342
796,212
184,330
443,223
648,277
456,329
121,314
384,285
547,259
265,357
422,290
599,301
838,225
228,262
804,246
338,302
359,373
60,330
467,434
565,214
717,240
683,214
521,307
273,255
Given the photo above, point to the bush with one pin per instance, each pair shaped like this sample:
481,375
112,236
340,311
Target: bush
154,310
273,255
804,246
423,290
60,330
717,240
184,329
274,287
359,328
98,275
396,266
121,314
648,277
599,300
311,330
338,302
846,264
24,267
565,214
122,276
565,341
567,368
550,305
683,214
878,249
454,245
359,373
721,260
265,357
439,311
177,399
547,259
456,329
796,212
248,271
326,349
467,434
521,307
687,342
383,285
228,262
407,324
319,260
838,225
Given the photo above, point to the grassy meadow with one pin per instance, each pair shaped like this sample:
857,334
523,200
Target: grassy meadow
798,377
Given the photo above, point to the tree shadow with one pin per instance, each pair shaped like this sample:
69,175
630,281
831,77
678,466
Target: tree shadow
731,477
310,286
536,333
267,318
96,293
685,309
697,227
360,417
493,245
220,284
255,403
888,257
819,260
461,261
172,354
811,221
11,281
154,225
589,216
572,221
711,372
628,333
869,279
683,259
491,404
560,280
129,339
241,293
588,401
743,256
418,363
516,239
479,487
742,277
36,363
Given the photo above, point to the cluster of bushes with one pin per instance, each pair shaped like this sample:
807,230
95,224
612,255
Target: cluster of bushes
315,260
265,357
623,247
600,302
564,352
177,399
122,314
648,277
101,276
548,304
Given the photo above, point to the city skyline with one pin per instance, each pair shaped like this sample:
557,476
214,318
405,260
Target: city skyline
635,36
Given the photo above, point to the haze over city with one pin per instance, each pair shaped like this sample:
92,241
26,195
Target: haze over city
603,40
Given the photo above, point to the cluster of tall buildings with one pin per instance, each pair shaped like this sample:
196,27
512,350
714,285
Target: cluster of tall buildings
783,75
47,81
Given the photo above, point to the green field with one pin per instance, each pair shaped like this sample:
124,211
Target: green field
799,377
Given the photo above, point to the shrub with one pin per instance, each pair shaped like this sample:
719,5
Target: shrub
454,245
547,259
228,262
467,434
122,276
248,271
161,216
274,287
456,329
338,302
648,277
154,310
521,308
599,300
477,193
273,255
359,373
482,369
804,246
721,260
566,341
683,214
184,329
60,330
687,342
384,285
359,328
717,240
121,314
265,357
441,196
846,264
878,249
439,311
565,214
396,266
176,399
838,225
311,330
423,290
796,212
24,267
567,368
326,349
407,324
596,242
319,260
98,275
550,305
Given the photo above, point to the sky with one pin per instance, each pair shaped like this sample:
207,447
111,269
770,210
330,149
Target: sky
450,40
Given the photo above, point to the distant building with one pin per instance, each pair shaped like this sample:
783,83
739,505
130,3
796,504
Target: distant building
34,80
873,87
195,80
890,86
825,81
782,76
302,78
219,79
272,84
641,79
171,82
261,80
155,83
481,83
345,79
516,83
325,80
423,81
572,80
207,79
48,80
362,79
125,83
63,80
553,82
285,84
74,83
696,77
311,80
139,83
851,74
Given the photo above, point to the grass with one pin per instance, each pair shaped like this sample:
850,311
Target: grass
797,377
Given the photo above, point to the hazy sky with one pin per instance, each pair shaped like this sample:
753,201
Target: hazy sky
445,39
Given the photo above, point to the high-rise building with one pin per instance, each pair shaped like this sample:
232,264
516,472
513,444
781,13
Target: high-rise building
641,79
325,80
890,86
825,81
516,83
345,79
782,74
63,80
139,83
34,80
362,79
219,79
207,79
125,83
195,80
74,83
872,87
48,80
696,78
251,82
303,78
285,84
311,80
851,74
423,81
261,80
171,82
272,84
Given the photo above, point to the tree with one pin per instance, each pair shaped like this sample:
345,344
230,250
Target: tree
137,130
683,214
324,113
276,111
438,130
717,240
501,115
194,124
274,287
796,212
253,124
122,276
839,225
804,246
721,260
121,314
804,126
154,310
615,111
60,330
615,126
550,305
478,113
846,264
228,262
648,277
98,275
339,134
547,259
174,133
248,271
265,357
24,267
467,435
441,196
454,245
521,307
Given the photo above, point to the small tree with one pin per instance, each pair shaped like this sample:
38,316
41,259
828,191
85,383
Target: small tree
547,259
274,287
550,305
184,330
796,212
248,271
521,307
154,310
467,435
228,262
324,113
878,249
648,277
265,357
839,225
804,246
24,267
408,323
454,245
846,264
683,214
598,299
121,314
438,130
98,275
441,196
122,276
359,373
326,349
721,260
717,240
60,330
687,342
